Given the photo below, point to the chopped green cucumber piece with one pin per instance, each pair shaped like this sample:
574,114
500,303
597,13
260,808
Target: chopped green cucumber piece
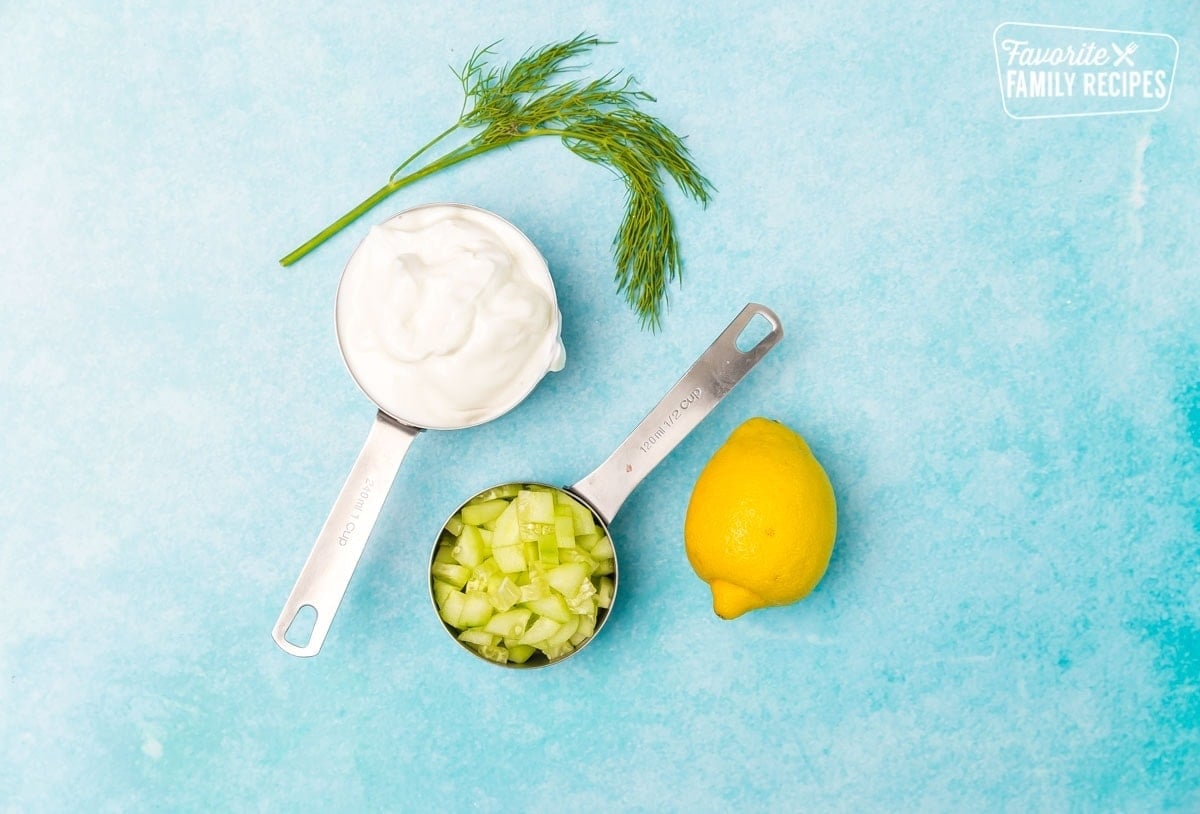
604,593
522,570
457,575
477,610
567,578
487,569
603,549
479,637
509,623
535,506
495,653
548,549
587,541
508,490
564,530
577,555
470,549
452,606
540,631
558,651
565,631
552,607
520,653
441,590
504,595
511,559
584,601
536,589
587,625
476,514
508,528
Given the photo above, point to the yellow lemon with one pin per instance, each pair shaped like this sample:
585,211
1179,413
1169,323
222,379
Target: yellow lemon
762,519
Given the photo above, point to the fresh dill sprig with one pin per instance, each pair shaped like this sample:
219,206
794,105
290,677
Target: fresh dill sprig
598,120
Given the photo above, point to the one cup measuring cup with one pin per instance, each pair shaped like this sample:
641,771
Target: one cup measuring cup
446,318
525,574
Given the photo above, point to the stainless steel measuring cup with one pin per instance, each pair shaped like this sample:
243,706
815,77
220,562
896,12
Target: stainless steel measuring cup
326,574
606,488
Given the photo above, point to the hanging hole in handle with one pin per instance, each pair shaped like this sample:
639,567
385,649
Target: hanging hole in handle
300,631
756,331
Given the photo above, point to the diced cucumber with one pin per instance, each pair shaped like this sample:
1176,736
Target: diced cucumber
511,559
567,578
508,490
479,637
585,600
535,506
604,593
520,653
509,623
603,549
470,549
565,632
508,528
441,590
494,653
548,549
487,569
584,522
552,607
477,610
587,625
558,651
452,607
457,575
504,595
564,531
536,589
476,514
540,631
534,562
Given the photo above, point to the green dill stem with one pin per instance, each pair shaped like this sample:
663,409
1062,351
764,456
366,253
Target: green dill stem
415,155
448,160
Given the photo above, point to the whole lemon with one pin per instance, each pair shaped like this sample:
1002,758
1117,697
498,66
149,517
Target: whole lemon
761,521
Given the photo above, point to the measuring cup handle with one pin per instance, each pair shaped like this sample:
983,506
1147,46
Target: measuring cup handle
326,575
695,395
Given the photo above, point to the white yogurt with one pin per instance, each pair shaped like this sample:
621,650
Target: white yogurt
446,316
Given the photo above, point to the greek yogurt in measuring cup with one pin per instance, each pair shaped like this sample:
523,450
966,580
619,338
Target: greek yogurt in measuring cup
447,316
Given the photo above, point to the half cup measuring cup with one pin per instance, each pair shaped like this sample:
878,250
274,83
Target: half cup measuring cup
603,491
326,574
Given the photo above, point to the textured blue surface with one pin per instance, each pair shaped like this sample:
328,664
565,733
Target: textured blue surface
993,346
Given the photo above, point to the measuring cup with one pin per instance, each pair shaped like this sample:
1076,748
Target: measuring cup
326,574
692,398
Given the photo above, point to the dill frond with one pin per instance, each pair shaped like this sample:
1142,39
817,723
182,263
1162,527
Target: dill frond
600,121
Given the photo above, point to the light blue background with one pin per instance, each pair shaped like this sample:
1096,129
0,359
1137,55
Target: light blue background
992,344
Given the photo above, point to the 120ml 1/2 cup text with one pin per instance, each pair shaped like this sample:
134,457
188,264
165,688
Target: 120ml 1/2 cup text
660,432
